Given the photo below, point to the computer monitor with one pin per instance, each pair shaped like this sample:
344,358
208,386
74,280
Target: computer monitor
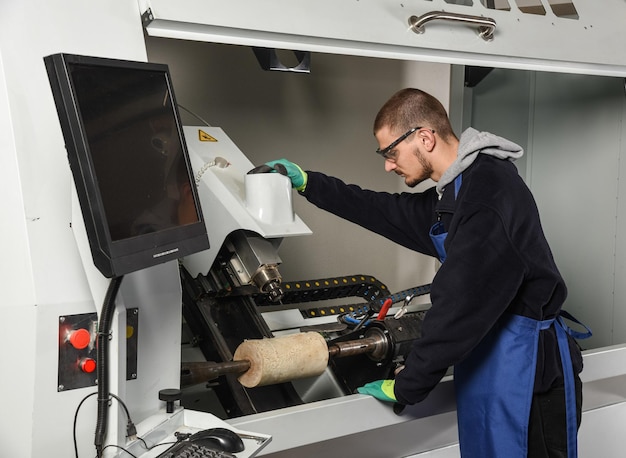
129,161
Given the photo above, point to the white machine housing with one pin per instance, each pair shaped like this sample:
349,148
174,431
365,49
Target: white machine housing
224,190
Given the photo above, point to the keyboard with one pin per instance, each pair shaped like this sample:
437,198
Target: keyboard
195,449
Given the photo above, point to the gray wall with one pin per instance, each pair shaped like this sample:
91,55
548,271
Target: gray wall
322,121
572,128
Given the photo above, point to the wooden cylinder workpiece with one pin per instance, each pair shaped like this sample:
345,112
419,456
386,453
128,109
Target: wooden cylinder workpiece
281,359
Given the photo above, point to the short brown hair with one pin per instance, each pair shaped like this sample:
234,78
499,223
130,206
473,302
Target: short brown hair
410,108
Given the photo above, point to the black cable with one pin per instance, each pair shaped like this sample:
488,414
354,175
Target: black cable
130,428
145,445
102,349
121,448
194,115
76,420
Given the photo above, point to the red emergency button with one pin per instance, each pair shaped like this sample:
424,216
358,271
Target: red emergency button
79,338
87,365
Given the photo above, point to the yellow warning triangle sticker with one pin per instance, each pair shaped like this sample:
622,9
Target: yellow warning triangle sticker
204,137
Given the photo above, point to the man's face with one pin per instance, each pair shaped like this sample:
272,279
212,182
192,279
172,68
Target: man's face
406,159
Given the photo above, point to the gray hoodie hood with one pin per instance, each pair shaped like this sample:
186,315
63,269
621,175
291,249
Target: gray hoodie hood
472,143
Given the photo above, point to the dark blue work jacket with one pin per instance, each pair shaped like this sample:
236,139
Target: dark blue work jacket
498,261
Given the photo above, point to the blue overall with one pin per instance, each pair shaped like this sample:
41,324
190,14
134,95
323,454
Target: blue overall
494,385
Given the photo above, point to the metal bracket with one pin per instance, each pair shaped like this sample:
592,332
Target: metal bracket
269,60
486,26
147,17
474,75
132,340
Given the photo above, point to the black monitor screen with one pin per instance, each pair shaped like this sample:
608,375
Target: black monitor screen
129,161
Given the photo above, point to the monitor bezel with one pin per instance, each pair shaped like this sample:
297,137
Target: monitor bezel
120,257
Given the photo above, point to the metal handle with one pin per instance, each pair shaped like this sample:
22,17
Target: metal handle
486,28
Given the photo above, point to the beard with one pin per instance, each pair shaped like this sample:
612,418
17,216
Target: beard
426,173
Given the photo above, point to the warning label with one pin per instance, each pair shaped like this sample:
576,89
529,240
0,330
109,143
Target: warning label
204,137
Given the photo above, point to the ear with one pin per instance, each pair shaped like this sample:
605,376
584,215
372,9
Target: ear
427,139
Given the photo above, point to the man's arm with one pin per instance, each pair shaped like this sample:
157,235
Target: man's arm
404,218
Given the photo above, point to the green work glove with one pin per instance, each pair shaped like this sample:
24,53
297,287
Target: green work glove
297,176
380,389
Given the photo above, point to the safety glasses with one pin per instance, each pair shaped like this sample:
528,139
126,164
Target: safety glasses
389,153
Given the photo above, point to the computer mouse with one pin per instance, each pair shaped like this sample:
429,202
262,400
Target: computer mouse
225,439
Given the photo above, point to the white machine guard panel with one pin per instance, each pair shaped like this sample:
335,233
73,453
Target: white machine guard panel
220,169
588,38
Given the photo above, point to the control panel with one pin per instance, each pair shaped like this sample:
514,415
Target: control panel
77,351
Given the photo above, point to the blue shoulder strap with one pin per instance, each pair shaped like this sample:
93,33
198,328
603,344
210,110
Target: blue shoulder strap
458,181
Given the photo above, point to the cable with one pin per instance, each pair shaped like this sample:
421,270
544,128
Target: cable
194,115
122,403
131,430
145,445
157,445
76,419
121,448
102,341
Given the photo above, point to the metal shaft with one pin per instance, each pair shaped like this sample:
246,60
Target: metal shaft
193,373
353,347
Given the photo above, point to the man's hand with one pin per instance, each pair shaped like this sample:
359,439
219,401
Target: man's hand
297,176
380,389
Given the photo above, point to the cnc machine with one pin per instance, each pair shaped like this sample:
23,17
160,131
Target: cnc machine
227,289
142,207
93,363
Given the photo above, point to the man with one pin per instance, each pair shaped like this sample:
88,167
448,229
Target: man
495,298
